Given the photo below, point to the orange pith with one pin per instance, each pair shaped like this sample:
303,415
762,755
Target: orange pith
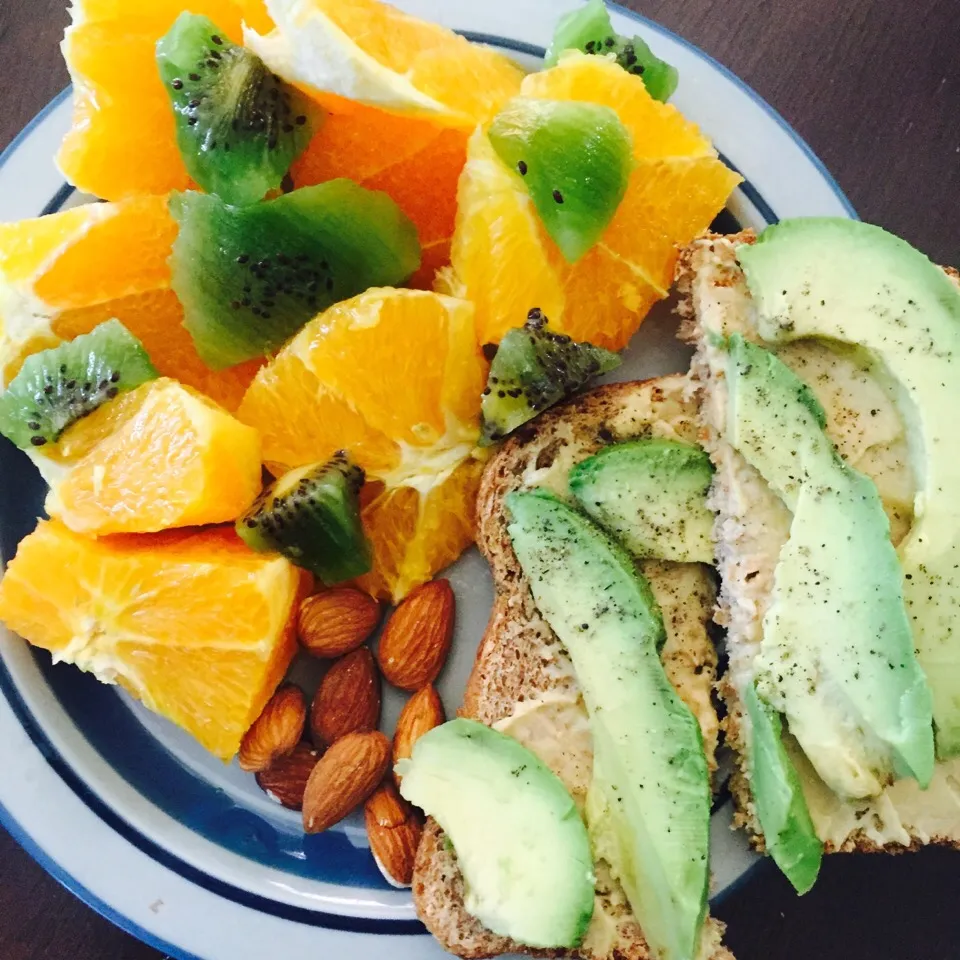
506,263
157,457
63,274
394,377
192,623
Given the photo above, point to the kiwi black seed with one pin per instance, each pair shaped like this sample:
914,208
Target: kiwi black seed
57,387
239,126
311,515
534,368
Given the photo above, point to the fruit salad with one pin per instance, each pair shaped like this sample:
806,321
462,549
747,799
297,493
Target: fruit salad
342,253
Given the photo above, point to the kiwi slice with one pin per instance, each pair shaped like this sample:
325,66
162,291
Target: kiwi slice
239,126
250,277
589,30
312,516
532,369
575,159
57,387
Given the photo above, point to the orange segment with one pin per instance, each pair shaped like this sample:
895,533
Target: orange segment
196,625
504,261
413,537
394,377
160,456
63,274
122,139
278,402
498,253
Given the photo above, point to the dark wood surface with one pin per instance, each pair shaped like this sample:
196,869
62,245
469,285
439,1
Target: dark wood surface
874,88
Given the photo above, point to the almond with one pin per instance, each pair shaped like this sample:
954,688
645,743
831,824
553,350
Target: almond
276,731
337,621
285,779
394,829
422,712
416,639
343,778
348,699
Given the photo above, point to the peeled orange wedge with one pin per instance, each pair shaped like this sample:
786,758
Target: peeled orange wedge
503,260
160,456
63,274
394,377
194,624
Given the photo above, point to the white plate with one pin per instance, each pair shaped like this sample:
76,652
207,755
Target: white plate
128,812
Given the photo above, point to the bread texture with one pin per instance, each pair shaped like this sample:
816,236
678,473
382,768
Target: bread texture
752,526
523,681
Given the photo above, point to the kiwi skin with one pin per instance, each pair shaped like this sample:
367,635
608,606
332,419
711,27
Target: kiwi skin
532,369
239,126
311,515
57,387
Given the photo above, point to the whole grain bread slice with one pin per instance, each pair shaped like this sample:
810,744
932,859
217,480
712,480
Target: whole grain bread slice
752,526
523,681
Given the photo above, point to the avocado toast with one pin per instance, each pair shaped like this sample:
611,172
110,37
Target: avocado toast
524,682
858,325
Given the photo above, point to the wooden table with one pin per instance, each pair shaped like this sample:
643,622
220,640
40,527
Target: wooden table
874,88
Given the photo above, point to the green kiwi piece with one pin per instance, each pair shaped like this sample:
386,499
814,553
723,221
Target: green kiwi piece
589,30
575,159
57,387
532,369
311,515
250,277
239,126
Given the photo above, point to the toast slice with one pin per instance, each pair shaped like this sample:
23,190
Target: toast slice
523,682
753,525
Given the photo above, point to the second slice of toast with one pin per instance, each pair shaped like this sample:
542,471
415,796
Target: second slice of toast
752,526
523,682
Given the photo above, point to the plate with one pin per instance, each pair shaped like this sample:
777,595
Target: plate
135,818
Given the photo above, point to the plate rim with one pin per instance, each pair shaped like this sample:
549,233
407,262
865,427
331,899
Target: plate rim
28,841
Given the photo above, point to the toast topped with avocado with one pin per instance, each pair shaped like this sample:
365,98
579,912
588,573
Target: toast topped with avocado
826,371
531,683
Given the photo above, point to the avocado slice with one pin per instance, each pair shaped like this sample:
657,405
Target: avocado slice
520,843
837,656
856,283
788,831
651,495
648,808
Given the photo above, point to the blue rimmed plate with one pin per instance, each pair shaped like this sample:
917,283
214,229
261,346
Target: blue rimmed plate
135,818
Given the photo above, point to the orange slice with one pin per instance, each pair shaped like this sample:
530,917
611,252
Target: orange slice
394,377
63,274
157,457
503,260
194,624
